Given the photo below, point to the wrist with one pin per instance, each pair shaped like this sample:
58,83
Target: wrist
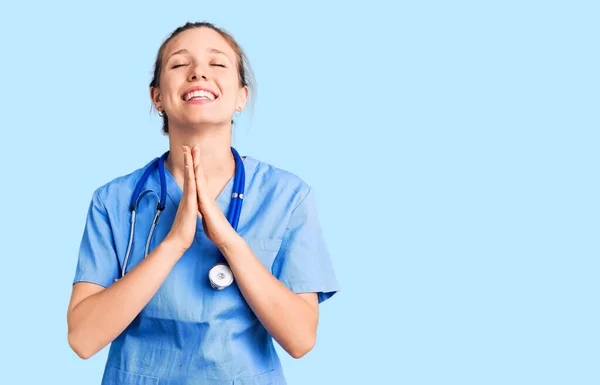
231,243
172,247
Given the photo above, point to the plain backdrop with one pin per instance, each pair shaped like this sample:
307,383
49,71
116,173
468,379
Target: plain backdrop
452,147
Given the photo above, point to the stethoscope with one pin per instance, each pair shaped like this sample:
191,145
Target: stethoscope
220,275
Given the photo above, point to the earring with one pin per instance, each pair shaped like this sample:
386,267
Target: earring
161,113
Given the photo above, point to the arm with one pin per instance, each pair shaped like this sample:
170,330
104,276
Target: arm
289,317
96,316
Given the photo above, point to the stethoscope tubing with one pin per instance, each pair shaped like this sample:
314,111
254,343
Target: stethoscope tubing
233,215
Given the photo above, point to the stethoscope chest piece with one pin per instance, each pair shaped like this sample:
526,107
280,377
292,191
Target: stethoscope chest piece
220,276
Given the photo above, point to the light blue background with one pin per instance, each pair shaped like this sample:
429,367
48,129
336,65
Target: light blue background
453,148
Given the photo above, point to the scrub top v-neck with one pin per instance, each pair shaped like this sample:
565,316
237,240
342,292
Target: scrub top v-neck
174,191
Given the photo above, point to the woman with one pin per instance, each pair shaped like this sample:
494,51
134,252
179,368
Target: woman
163,316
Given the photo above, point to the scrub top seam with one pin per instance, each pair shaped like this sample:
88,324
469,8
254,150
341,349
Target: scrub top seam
106,216
298,205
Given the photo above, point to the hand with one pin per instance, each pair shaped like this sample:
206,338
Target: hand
183,229
216,226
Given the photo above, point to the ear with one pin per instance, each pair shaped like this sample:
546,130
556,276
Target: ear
155,97
242,98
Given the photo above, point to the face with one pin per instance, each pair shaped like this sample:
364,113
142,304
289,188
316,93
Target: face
199,81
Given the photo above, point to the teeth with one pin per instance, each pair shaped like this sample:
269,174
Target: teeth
201,94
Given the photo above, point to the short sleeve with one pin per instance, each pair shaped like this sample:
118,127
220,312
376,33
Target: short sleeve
303,263
97,261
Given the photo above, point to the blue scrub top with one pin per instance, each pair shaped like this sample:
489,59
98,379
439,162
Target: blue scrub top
190,333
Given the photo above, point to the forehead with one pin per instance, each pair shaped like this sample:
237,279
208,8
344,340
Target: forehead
199,40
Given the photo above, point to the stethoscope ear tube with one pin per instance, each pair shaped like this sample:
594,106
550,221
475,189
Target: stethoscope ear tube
159,210
135,200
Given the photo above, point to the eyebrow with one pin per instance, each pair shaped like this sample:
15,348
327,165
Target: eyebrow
214,50
211,50
183,50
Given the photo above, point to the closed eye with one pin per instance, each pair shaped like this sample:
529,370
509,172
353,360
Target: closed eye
218,65
178,65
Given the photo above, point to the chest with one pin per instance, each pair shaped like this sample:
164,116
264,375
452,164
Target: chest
186,294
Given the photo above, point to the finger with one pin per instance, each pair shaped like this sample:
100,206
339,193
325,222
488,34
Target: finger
199,174
189,180
196,155
185,177
195,158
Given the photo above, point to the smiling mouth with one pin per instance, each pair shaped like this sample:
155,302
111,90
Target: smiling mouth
199,95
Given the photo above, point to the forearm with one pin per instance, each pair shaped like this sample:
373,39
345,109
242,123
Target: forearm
100,318
290,319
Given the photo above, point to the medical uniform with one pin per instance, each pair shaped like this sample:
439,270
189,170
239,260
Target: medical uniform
190,333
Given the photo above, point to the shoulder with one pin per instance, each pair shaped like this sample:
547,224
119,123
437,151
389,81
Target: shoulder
280,182
119,187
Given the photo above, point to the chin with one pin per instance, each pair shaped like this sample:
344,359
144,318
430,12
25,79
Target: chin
205,120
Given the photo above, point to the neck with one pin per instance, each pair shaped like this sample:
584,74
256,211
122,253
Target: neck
216,159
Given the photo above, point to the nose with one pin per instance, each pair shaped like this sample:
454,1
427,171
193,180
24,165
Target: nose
197,72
